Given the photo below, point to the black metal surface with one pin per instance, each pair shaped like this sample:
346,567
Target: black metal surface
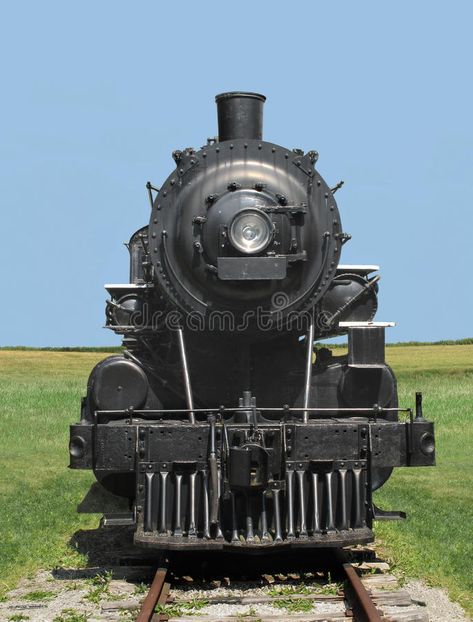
240,115
194,209
219,422
251,268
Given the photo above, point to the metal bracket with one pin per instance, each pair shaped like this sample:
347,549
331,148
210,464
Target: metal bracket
379,514
285,209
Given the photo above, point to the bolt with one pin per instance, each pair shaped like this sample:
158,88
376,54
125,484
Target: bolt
313,155
177,156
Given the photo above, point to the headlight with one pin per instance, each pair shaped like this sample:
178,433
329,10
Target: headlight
251,231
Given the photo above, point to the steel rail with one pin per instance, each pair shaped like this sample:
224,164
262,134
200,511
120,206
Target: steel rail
361,594
223,409
154,595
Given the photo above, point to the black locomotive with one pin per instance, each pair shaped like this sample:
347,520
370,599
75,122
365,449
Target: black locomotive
220,423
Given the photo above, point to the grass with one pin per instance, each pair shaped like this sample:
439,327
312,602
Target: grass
40,395
178,610
71,615
435,542
99,587
38,595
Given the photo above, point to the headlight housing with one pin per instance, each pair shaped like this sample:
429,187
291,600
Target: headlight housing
251,231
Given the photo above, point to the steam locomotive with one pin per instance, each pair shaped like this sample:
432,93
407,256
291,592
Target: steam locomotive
220,422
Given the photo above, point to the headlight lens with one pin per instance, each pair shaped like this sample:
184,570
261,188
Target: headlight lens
251,231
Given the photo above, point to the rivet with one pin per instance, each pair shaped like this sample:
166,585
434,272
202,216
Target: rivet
204,154
155,220
326,195
273,149
154,235
231,145
192,161
158,206
298,163
286,155
260,146
245,145
181,170
155,250
217,149
318,182
165,194
172,182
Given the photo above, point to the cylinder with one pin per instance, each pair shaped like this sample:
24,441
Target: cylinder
240,115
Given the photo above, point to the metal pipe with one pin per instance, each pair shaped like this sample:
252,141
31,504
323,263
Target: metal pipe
149,502
265,536
315,492
219,532
191,532
303,527
343,498
205,487
357,492
185,375
250,536
277,516
308,368
213,471
330,524
177,492
240,115
290,503
162,522
159,411
234,519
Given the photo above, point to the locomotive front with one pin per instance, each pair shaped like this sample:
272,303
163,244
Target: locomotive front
219,422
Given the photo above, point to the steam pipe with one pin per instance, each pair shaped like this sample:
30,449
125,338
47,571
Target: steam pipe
308,368
185,374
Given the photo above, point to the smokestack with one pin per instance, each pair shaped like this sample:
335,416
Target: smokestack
240,115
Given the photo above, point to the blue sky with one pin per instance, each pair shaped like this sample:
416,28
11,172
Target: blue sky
96,95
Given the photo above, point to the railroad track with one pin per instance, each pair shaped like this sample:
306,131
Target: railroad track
359,599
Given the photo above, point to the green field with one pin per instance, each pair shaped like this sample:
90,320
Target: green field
40,396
